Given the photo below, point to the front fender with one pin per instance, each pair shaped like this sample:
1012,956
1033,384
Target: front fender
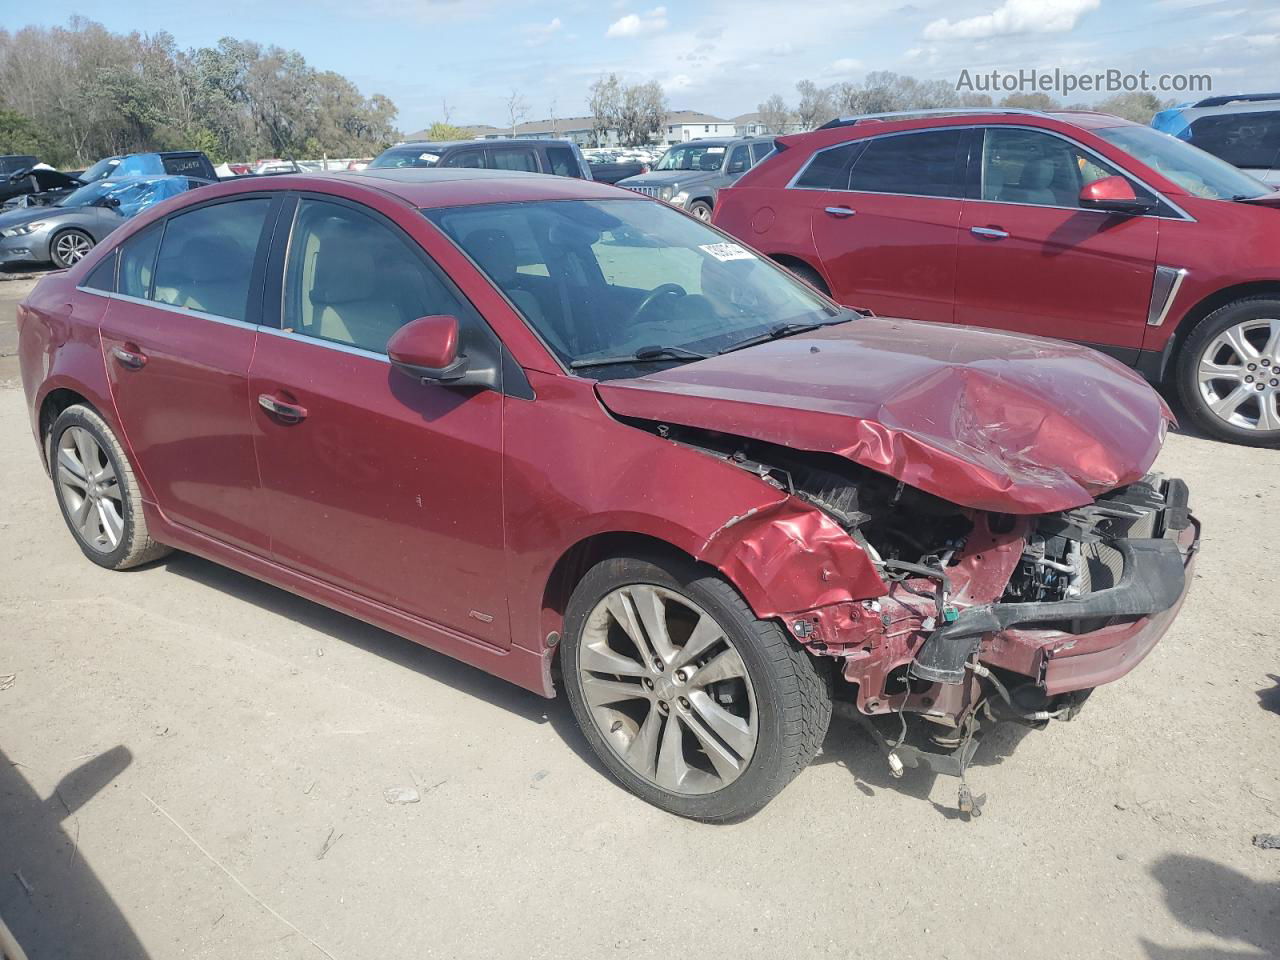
574,472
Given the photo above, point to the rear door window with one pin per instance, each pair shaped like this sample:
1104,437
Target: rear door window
465,158
761,149
926,164
739,159
524,159
206,258
138,262
563,162
191,164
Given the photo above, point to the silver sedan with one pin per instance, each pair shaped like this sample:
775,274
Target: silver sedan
67,230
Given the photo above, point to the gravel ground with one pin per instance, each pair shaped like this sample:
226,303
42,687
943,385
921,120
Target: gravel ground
193,764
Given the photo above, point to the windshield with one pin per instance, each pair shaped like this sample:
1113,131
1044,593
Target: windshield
1200,174
419,156
102,168
600,279
692,156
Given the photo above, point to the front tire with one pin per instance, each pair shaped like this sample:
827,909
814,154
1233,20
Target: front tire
1228,372
97,492
69,247
701,209
690,701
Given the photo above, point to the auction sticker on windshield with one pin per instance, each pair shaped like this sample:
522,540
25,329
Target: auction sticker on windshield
727,251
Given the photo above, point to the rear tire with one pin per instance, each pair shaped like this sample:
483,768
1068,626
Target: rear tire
1228,372
809,276
97,491
764,699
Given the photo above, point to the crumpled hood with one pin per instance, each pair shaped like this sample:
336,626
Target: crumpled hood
980,418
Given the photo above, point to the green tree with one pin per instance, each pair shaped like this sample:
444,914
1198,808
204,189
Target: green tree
19,134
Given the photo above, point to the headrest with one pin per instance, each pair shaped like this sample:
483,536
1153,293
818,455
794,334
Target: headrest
1037,174
211,258
344,272
495,253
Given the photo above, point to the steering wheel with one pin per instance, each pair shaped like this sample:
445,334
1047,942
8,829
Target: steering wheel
662,289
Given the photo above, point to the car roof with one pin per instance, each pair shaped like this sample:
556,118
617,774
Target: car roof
480,142
852,128
427,187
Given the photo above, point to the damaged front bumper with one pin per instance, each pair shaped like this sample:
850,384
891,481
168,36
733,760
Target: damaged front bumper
916,650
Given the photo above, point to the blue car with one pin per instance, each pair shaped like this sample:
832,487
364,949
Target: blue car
64,232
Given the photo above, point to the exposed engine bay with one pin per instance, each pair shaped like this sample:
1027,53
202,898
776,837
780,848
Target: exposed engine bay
982,615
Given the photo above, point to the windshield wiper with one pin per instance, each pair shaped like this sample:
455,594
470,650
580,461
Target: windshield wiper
643,355
786,330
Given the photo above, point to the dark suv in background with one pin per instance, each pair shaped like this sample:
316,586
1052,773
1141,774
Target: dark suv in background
1242,129
690,174
561,158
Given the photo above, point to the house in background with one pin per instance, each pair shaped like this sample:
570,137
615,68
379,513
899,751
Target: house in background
749,125
685,125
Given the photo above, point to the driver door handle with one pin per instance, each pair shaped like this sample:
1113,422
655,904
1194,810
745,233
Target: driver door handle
990,233
282,410
841,211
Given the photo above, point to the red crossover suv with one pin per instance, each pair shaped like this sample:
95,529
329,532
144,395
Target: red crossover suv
1074,225
556,429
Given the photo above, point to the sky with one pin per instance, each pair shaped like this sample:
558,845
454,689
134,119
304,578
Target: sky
721,57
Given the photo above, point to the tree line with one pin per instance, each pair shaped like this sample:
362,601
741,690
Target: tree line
76,93
884,91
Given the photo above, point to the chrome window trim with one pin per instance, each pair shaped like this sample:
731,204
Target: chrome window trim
1167,281
1182,214
327,344
170,308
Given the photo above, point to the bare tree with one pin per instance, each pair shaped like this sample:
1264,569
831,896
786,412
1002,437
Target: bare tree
644,111
775,115
446,111
517,110
554,130
815,107
605,103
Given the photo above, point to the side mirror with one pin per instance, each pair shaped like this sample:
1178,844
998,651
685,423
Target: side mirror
111,202
427,350
1114,194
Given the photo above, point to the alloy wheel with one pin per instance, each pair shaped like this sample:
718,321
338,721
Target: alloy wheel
90,490
667,689
1238,375
71,247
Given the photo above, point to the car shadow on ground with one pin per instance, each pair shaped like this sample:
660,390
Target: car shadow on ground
50,898
389,646
1269,697
850,746
1208,897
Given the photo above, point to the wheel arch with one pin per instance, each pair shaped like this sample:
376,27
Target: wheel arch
52,404
790,260
1201,309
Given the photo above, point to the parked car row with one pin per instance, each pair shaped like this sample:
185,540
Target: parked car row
690,175
721,504
1078,226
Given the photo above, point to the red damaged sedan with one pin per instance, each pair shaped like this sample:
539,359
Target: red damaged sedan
566,433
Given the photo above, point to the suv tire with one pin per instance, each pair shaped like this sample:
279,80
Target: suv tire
701,209
1242,342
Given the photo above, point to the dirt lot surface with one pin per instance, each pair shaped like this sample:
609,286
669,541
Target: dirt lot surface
193,764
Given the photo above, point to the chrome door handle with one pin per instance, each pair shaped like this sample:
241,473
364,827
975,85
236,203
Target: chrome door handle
285,412
132,359
840,211
991,233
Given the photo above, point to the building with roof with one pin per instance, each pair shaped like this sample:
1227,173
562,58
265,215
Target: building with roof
749,125
683,125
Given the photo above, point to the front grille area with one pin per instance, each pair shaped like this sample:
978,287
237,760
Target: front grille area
647,191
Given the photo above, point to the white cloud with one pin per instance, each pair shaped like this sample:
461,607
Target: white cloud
536,34
1013,17
846,65
633,25
679,82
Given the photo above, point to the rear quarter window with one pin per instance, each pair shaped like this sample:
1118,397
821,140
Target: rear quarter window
563,162
1242,139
